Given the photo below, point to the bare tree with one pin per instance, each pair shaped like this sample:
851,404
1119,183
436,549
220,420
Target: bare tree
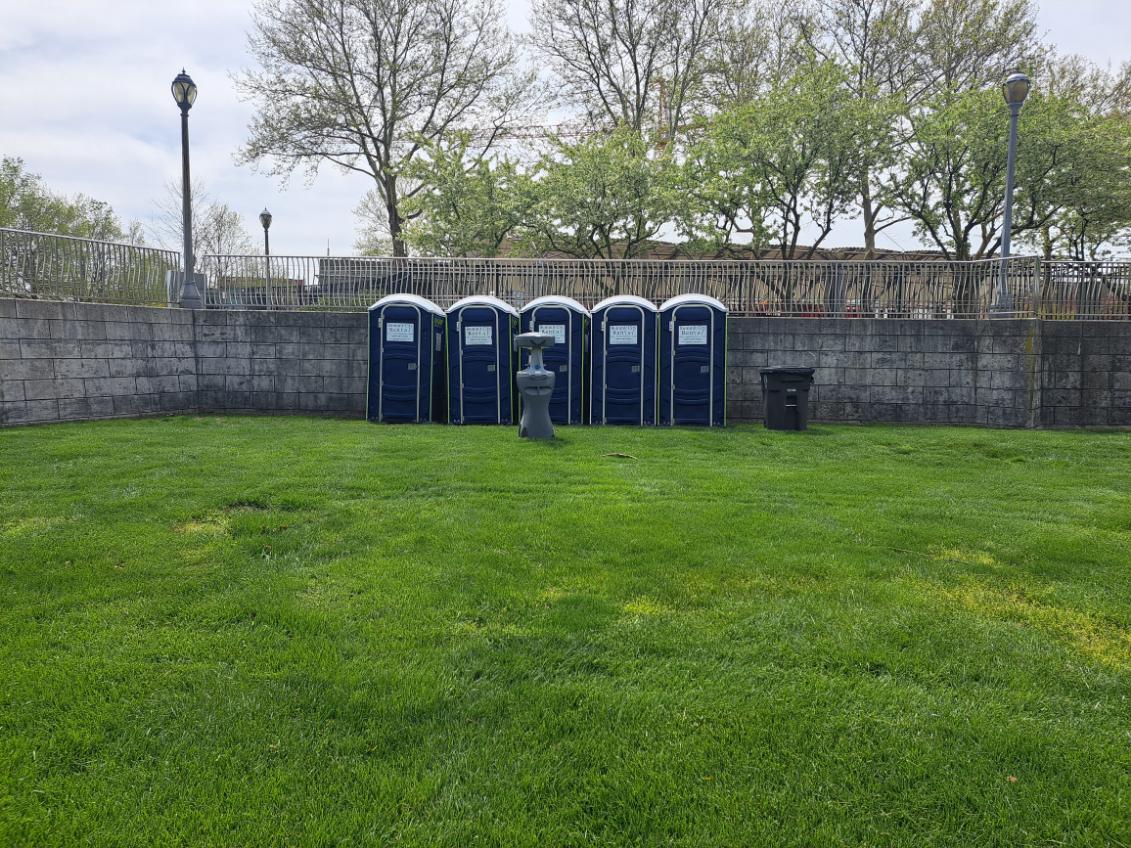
1101,90
216,227
373,227
875,41
364,84
755,47
964,45
634,62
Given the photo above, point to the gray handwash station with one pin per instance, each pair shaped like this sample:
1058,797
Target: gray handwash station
535,388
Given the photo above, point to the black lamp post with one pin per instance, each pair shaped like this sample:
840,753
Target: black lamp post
1016,89
265,220
184,93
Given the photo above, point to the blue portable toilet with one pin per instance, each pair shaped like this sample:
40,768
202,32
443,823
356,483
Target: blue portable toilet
568,322
622,361
480,340
406,360
693,355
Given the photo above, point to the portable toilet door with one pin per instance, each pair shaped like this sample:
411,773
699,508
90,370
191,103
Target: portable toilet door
622,386
480,339
693,356
406,360
568,322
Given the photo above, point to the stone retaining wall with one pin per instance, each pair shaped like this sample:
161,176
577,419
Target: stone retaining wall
951,372
1085,373
71,361
282,361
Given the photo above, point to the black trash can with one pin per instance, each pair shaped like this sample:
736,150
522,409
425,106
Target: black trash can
785,395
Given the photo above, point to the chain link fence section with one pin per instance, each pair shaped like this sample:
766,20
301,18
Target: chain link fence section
53,267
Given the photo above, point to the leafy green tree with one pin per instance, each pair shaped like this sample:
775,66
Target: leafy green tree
1090,213
27,204
898,53
965,45
875,42
363,84
635,62
468,205
603,197
757,44
953,184
786,161
727,209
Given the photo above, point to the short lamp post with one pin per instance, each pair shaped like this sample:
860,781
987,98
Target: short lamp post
265,220
1016,89
184,93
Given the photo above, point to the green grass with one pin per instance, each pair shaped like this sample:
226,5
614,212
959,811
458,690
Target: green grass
285,631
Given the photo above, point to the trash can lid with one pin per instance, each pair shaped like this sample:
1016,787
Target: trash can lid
789,372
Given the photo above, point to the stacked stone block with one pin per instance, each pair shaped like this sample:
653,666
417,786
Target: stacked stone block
74,361
68,361
283,361
1086,373
900,371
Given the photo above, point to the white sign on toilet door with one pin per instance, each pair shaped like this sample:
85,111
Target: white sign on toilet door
623,334
693,334
555,330
478,336
398,332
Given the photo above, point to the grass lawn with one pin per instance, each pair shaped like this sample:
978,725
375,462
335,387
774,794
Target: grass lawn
289,631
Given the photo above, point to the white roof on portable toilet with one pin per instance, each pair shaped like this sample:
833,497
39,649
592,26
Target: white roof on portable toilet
410,299
555,300
483,300
682,299
625,300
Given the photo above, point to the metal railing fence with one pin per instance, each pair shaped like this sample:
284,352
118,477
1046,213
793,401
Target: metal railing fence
67,268
883,289
1081,290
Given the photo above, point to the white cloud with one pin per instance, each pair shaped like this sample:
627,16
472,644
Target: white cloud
84,99
84,95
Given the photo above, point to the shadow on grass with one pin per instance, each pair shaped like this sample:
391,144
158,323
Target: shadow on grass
556,443
798,434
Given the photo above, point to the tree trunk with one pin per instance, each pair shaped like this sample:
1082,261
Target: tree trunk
967,292
868,209
1046,243
392,207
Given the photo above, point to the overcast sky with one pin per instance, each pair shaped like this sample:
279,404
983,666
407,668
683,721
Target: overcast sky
84,100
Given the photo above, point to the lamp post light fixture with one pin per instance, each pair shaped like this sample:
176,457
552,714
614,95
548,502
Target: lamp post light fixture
1016,89
184,93
265,220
